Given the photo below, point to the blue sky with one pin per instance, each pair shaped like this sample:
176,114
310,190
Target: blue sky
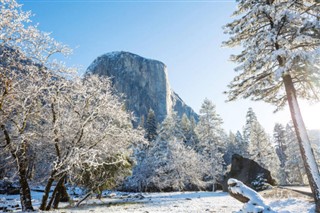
185,35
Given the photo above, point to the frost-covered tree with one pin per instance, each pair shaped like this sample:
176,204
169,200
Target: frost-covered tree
212,139
242,147
315,143
260,148
188,130
236,145
251,119
170,128
231,148
90,134
279,139
167,164
25,66
279,62
175,167
151,126
295,171
186,127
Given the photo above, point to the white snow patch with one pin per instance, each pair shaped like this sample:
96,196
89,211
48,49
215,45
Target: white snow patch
256,203
180,202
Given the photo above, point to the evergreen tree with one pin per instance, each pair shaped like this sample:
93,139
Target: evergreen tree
175,167
212,144
279,62
188,130
251,119
151,126
170,128
279,140
242,147
236,145
294,164
260,148
230,149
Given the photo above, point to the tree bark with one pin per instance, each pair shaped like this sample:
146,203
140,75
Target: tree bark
64,194
22,162
61,194
303,140
57,198
83,199
46,193
25,194
55,193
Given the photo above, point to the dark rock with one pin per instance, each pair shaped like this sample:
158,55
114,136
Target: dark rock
3,208
144,82
14,206
250,173
9,188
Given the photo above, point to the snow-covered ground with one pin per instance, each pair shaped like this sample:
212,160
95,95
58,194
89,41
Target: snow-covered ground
219,202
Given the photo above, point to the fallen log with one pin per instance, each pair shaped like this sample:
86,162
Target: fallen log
253,202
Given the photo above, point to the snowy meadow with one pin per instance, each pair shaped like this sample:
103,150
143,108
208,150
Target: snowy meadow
280,200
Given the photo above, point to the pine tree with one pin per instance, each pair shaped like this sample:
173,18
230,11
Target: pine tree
188,130
170,128
259,145
251,119
294,164
231,148
279,62
279,139
236,145
242,147
212,140
174,167
168,164
151,126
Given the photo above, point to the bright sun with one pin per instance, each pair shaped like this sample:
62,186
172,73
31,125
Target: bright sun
311,115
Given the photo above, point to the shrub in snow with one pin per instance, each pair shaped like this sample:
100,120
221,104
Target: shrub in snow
254,203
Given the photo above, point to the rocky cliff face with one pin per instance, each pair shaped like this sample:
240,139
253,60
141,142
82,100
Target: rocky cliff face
144,82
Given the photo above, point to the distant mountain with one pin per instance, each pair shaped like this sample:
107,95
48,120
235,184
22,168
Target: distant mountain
144,82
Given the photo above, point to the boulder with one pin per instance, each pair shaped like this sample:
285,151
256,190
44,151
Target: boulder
250,173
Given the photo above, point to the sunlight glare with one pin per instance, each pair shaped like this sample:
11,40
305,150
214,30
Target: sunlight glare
311,115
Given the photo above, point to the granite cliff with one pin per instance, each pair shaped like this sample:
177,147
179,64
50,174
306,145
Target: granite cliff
144,83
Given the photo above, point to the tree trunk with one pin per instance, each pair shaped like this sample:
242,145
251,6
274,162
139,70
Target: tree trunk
61,195
46,193
55,194
22,162
57,198
25,194
83,199
303,140
64,194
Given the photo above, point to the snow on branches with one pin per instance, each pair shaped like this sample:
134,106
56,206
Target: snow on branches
73,126
278,37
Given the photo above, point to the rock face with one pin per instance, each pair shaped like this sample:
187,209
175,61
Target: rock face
144,82
249,172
